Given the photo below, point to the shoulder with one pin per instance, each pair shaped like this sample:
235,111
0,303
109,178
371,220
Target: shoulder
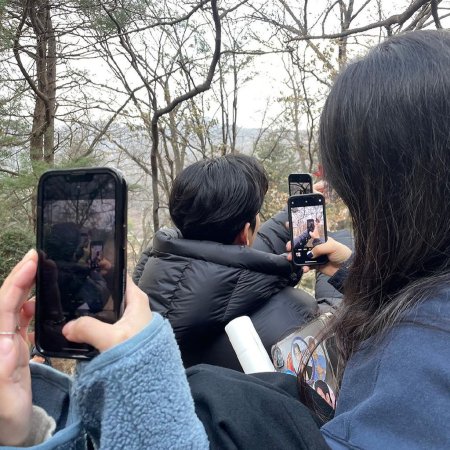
396,391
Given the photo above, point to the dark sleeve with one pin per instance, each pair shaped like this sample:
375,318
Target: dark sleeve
328,297
338,279
139,269
273,234
272,238
248,412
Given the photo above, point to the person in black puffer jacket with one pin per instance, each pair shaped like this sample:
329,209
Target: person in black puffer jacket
203,274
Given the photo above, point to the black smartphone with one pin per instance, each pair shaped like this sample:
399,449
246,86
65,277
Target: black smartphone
81,242
300,183
307,225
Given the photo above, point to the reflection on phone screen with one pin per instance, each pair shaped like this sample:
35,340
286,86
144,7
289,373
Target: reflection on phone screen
307,230
77,254
299,188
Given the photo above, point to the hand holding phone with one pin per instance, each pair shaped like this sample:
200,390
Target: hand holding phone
15,381
336,253
103,336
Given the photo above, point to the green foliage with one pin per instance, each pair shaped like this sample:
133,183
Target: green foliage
14,244
105,20
279,159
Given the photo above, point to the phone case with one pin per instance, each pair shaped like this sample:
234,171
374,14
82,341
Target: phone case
302,350
109,291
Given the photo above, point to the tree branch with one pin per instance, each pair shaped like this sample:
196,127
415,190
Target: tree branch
435,14
9,172
396,19
212,68
16,47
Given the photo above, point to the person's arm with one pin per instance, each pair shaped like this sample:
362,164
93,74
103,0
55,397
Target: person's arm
273,234
135,393
338,279
139,394
15,379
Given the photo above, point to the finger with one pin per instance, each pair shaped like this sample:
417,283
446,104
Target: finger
87,330
286,224
31,255
27,311
134,295
15,290
137,308
31,338
26,314
288,246
323,249
306,269
319,187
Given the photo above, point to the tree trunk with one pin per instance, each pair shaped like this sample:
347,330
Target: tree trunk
42,131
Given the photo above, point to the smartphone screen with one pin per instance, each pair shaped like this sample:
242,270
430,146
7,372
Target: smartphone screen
307,222
96,255
81,245
300,183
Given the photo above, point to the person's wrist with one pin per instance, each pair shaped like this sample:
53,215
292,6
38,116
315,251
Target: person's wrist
333,269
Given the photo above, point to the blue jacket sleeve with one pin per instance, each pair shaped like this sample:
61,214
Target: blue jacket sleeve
136,395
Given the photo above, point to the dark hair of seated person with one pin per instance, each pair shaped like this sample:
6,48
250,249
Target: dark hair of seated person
213,199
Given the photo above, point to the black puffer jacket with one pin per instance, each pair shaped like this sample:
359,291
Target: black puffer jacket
200,286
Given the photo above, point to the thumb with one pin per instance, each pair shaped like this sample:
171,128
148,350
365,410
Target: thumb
87,330
323,249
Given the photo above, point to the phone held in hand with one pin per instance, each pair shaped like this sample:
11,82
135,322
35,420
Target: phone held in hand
300,183
307,225
81,242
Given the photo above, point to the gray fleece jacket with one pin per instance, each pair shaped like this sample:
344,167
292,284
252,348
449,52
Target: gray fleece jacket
134,396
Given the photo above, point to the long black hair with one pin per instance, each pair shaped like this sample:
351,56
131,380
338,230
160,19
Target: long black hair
385,148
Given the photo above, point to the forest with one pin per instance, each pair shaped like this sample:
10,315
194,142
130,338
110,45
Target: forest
150,86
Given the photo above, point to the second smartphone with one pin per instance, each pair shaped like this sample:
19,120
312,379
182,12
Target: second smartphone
307,225
300,183
81,241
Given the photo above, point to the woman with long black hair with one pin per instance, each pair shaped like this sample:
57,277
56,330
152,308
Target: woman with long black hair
385,148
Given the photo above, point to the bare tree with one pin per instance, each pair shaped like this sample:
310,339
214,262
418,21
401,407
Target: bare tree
35,23
157,52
